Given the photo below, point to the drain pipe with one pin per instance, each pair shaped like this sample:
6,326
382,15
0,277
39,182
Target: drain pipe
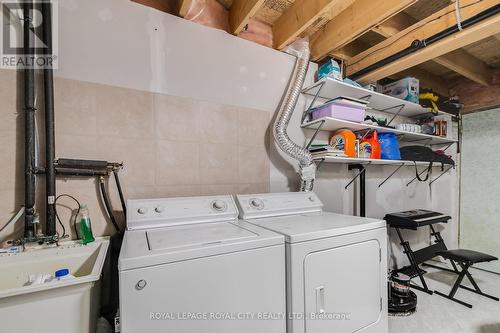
29,123
420,44
50,171
307,168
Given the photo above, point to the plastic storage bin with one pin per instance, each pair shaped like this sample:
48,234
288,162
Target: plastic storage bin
341,109
69,306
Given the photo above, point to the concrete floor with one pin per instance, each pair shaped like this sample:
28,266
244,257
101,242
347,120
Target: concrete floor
439,315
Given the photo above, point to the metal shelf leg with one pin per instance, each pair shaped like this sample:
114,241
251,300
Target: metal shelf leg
363,170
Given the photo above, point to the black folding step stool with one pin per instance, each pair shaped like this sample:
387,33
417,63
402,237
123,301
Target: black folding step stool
414,219
465,259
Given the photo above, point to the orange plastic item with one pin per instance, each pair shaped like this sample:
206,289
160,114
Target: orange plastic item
344,140
370,147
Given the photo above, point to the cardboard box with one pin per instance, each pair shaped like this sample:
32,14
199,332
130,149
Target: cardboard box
407,89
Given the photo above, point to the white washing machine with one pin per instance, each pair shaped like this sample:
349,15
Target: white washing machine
188,265
336,264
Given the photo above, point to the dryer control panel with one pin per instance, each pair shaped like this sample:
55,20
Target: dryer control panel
154,213
277,204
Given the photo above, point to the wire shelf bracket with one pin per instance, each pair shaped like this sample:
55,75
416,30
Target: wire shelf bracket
392,174
315,134
401,108
442,174
308,111
420,174
319,163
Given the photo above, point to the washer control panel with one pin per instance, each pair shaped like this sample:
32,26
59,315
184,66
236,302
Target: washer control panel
151,213
275,204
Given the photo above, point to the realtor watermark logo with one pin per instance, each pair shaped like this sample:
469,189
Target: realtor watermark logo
34,50
226,316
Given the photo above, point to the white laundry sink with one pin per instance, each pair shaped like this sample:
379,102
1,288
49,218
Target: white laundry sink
59,306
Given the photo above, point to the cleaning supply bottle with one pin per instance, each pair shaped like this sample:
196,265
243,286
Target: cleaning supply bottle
85,225
63,274
370,146
344,140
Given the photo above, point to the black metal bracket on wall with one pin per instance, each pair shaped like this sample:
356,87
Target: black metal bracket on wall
362,186
392,174
315,134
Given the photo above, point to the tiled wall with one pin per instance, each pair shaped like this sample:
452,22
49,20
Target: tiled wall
170,146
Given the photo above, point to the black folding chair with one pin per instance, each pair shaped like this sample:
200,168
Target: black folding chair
465,259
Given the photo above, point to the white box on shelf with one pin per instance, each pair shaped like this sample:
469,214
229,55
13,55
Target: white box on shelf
406,89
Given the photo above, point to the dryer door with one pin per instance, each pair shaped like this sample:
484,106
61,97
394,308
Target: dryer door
343,288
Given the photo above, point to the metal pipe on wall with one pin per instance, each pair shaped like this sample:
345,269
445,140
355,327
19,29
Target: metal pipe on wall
362,187
419,44
29,110
48,81
362,195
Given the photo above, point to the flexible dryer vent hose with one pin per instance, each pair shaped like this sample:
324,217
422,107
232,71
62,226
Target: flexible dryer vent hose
307,168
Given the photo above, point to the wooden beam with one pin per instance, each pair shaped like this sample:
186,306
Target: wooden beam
357,19
165,6
183,7
460,39
240,12
458,61
301,15
394,25
387,29
467,65
347,52
421,30
475,96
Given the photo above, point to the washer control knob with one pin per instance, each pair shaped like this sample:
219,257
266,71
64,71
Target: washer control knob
141,284
219,205
257,203
142,210
160,209
312,199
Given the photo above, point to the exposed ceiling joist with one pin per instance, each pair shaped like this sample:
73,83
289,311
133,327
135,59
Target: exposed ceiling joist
350,50
426,78
467,65
453,42
477,97
183,7
164,6
240,12
302,14
357,19
458,61
421,30
394,25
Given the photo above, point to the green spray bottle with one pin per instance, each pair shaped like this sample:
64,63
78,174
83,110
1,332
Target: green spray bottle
85,225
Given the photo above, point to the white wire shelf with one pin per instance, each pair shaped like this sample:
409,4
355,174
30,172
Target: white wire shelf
370,161
329,88
333,124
